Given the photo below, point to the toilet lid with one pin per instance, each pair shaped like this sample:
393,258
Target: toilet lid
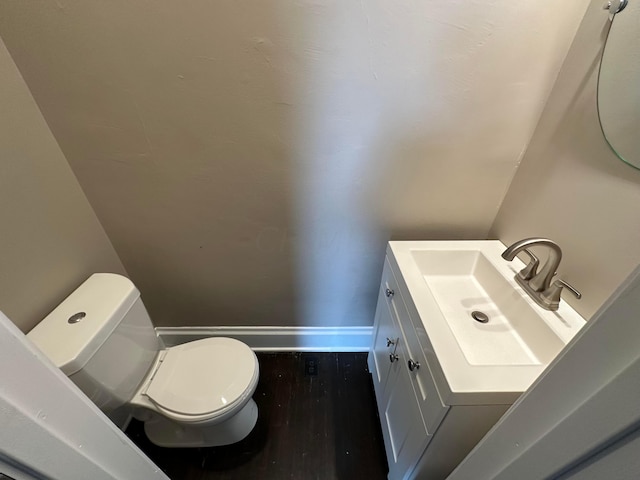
203,376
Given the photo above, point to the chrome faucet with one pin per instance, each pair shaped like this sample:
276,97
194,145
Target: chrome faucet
538,284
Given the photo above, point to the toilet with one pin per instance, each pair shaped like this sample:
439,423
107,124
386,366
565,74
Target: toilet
197,394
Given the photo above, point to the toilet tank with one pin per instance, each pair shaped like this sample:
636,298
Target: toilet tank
101,336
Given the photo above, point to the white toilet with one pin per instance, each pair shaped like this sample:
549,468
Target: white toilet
197,394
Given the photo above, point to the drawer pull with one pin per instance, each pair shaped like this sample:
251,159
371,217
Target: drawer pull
413,365
389,293
393,357
390,342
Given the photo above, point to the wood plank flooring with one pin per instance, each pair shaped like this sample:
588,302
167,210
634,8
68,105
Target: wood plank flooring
317,420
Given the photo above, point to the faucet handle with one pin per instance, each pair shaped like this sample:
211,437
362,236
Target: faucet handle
551,295
528,272
561,283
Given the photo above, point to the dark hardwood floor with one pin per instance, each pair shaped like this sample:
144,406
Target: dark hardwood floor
317,420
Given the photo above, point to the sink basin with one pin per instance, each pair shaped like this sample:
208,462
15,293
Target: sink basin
465,281
447,281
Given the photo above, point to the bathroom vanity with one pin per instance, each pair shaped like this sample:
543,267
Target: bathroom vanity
455,342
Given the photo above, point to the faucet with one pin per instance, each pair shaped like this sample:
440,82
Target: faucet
540,280
538,284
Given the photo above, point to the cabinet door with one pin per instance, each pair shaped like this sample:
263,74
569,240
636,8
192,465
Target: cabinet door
432,408
405,431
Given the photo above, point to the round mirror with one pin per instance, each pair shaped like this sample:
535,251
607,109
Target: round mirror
619,85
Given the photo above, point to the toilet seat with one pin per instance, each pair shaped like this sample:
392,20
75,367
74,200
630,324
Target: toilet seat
203,379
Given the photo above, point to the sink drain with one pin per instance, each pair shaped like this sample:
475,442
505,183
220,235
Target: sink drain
479,316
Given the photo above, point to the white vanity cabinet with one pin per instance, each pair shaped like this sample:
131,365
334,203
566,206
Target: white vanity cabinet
424,437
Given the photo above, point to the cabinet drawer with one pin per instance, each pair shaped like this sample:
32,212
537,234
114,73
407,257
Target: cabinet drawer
386,334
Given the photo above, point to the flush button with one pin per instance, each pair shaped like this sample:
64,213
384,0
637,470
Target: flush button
76,317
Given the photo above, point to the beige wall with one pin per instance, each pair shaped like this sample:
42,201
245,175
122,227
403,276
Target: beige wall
571,187
51,240
249,159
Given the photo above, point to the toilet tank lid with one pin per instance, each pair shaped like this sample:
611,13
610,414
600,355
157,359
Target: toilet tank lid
74,331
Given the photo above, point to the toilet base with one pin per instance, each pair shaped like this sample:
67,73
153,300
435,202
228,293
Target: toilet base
166,433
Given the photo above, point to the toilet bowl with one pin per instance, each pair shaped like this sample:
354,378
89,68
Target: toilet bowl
192,398
196,394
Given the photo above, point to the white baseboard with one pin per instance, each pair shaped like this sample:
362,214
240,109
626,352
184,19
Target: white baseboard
278,339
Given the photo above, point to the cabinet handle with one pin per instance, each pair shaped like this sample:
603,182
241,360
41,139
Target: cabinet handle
393,357
413,365
390,342
389,293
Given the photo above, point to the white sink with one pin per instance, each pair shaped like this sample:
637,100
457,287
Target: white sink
448,281
465,281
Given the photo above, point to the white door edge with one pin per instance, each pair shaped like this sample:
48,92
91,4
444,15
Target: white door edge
50,427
